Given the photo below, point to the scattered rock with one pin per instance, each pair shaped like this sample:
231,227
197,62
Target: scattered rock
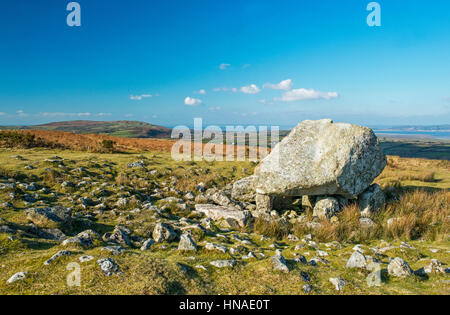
114,250
357,260
108,266
85,258
120,235
84,239
307,288
223,213
216,247
366,223
164,232
53,217
147,244
326,207
137,164
399,268
187,243
244,189
223,263
435,267
18,276
57,255
279,262
338,283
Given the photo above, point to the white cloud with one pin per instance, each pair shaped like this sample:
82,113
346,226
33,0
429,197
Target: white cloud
224,66
60,114
215,109
202,92
21,113
2,114
285,85
129,115
103,114
250,89
304,94
154,116
140,97
192,101
225,89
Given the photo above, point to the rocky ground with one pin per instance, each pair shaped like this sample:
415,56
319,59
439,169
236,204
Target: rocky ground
143,224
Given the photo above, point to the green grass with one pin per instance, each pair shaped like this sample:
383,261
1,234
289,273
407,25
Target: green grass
160,270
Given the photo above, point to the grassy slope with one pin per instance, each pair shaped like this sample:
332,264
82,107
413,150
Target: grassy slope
159,272
128,129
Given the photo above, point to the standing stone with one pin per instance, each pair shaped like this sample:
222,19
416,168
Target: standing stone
322,158
308,202
371,200
264,203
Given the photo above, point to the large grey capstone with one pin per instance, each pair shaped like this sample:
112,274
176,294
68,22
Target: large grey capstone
322,158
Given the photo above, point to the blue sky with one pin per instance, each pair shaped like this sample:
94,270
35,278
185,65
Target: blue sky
166,62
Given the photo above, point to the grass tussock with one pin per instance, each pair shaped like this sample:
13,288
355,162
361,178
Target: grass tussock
277,229
417,214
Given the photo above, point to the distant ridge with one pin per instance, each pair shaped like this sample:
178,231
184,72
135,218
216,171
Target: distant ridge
123,128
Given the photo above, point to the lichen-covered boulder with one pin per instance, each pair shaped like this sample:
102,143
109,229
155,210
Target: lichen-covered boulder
52,217
326,207
322,158
164,232
244,189
224,213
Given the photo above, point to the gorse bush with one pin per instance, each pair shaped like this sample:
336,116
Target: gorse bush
108,145
15,139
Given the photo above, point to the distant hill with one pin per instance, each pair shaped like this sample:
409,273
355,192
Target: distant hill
127,129
414,128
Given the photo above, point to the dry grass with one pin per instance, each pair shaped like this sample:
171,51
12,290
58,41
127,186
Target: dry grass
277,229
411,169
96,143
417,214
